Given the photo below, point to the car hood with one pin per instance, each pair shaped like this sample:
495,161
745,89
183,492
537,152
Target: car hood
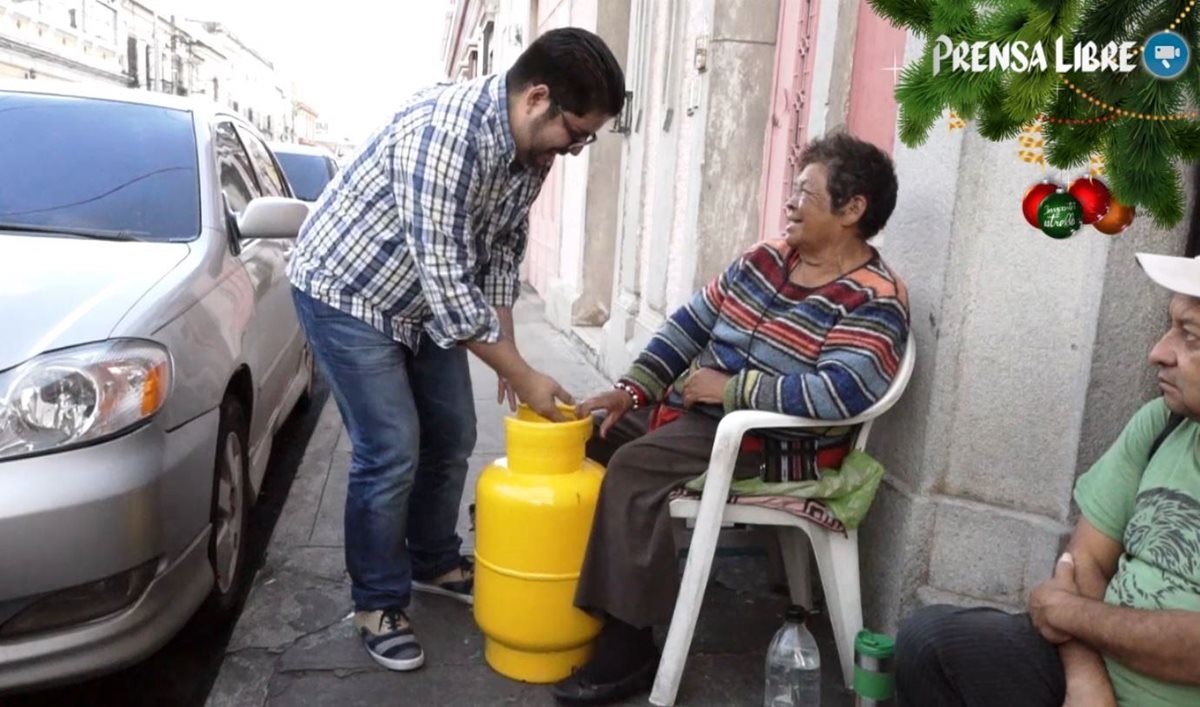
58,292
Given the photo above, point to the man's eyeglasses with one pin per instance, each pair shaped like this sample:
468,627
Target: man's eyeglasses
578,140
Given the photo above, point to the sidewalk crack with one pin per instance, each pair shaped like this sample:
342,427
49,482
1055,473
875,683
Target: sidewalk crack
310,634
325,486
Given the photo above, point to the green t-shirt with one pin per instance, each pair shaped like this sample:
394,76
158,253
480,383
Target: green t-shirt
1153,510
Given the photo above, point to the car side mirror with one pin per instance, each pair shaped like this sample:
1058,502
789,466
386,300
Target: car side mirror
272,217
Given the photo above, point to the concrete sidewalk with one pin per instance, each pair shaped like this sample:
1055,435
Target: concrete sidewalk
295,645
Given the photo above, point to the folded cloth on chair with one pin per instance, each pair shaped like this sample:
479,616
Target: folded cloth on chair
847,492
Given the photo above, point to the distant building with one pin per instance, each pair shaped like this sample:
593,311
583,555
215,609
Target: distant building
130,43
467,44
67,41
245,80
305,122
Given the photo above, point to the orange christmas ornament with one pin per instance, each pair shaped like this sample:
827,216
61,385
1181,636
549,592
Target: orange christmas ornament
1117,219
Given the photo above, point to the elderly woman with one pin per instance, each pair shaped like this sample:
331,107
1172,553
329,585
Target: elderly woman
813,325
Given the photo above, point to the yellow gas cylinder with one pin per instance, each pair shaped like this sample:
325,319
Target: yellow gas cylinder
533,513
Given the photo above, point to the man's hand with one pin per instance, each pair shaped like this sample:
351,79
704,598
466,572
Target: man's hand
1053,593
540,392
705,385
615,403
504,390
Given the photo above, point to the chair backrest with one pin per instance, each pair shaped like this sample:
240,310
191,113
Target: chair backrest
894,392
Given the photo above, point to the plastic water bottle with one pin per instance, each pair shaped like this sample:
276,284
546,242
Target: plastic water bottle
793,665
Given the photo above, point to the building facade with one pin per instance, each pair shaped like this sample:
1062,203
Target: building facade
68,41
130,43
246,81
305,123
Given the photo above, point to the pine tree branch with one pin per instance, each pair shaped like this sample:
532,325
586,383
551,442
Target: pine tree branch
1106,21
1186,139
920,100
916,15
954,19
1069,146
994,122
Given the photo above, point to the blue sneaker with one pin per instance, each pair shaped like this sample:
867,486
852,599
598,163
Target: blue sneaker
389,638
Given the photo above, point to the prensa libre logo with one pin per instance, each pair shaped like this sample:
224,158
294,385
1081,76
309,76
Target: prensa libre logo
1021,56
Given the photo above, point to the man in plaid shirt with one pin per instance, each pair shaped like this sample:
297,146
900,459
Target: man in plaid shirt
410,259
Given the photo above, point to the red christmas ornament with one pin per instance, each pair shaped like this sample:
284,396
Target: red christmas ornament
1033,199
1093,196
1117,219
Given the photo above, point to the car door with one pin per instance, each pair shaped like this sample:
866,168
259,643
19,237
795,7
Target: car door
271,340
285,327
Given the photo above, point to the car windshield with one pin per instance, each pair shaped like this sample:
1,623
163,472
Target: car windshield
97,168
308,174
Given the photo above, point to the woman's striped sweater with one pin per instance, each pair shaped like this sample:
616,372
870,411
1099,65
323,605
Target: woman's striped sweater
827,352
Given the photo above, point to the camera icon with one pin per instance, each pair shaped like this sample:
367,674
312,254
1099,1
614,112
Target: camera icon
1166,53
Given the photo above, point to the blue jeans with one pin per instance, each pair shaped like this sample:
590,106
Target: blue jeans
411,419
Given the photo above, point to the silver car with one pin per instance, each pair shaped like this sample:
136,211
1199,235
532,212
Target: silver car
149,351
308,168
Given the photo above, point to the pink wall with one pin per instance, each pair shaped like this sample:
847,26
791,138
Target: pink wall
787,129
877,45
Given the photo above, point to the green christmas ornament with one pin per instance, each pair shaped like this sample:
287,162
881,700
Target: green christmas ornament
1060,215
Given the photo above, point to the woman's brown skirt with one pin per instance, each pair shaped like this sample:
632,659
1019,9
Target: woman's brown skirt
630,570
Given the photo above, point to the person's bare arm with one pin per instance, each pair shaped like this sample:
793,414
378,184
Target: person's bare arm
1164,645
1069,610
537,390
1096,557
504,389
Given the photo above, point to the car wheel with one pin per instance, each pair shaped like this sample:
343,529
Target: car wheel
230,512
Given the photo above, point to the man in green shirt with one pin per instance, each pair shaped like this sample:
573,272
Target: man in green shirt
1119,622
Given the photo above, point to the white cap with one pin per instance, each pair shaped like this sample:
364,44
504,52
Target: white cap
1177,274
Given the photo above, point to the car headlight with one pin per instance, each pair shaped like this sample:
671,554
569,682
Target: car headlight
81,394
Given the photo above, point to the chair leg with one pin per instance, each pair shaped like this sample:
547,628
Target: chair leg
794,546
837,561
775,573
691,596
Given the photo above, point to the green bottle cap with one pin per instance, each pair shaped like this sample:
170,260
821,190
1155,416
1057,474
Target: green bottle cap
875,645
877,684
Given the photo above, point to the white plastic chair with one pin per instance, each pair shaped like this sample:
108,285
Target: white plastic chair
837,555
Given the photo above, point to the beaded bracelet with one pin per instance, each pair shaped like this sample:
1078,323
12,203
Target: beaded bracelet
633,393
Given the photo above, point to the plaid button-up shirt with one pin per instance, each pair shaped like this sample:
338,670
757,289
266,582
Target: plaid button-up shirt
425,228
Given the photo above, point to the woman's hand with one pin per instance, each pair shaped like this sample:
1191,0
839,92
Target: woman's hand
705,385
615,403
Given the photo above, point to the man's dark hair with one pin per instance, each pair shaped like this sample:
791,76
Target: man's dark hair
577,66
856,167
